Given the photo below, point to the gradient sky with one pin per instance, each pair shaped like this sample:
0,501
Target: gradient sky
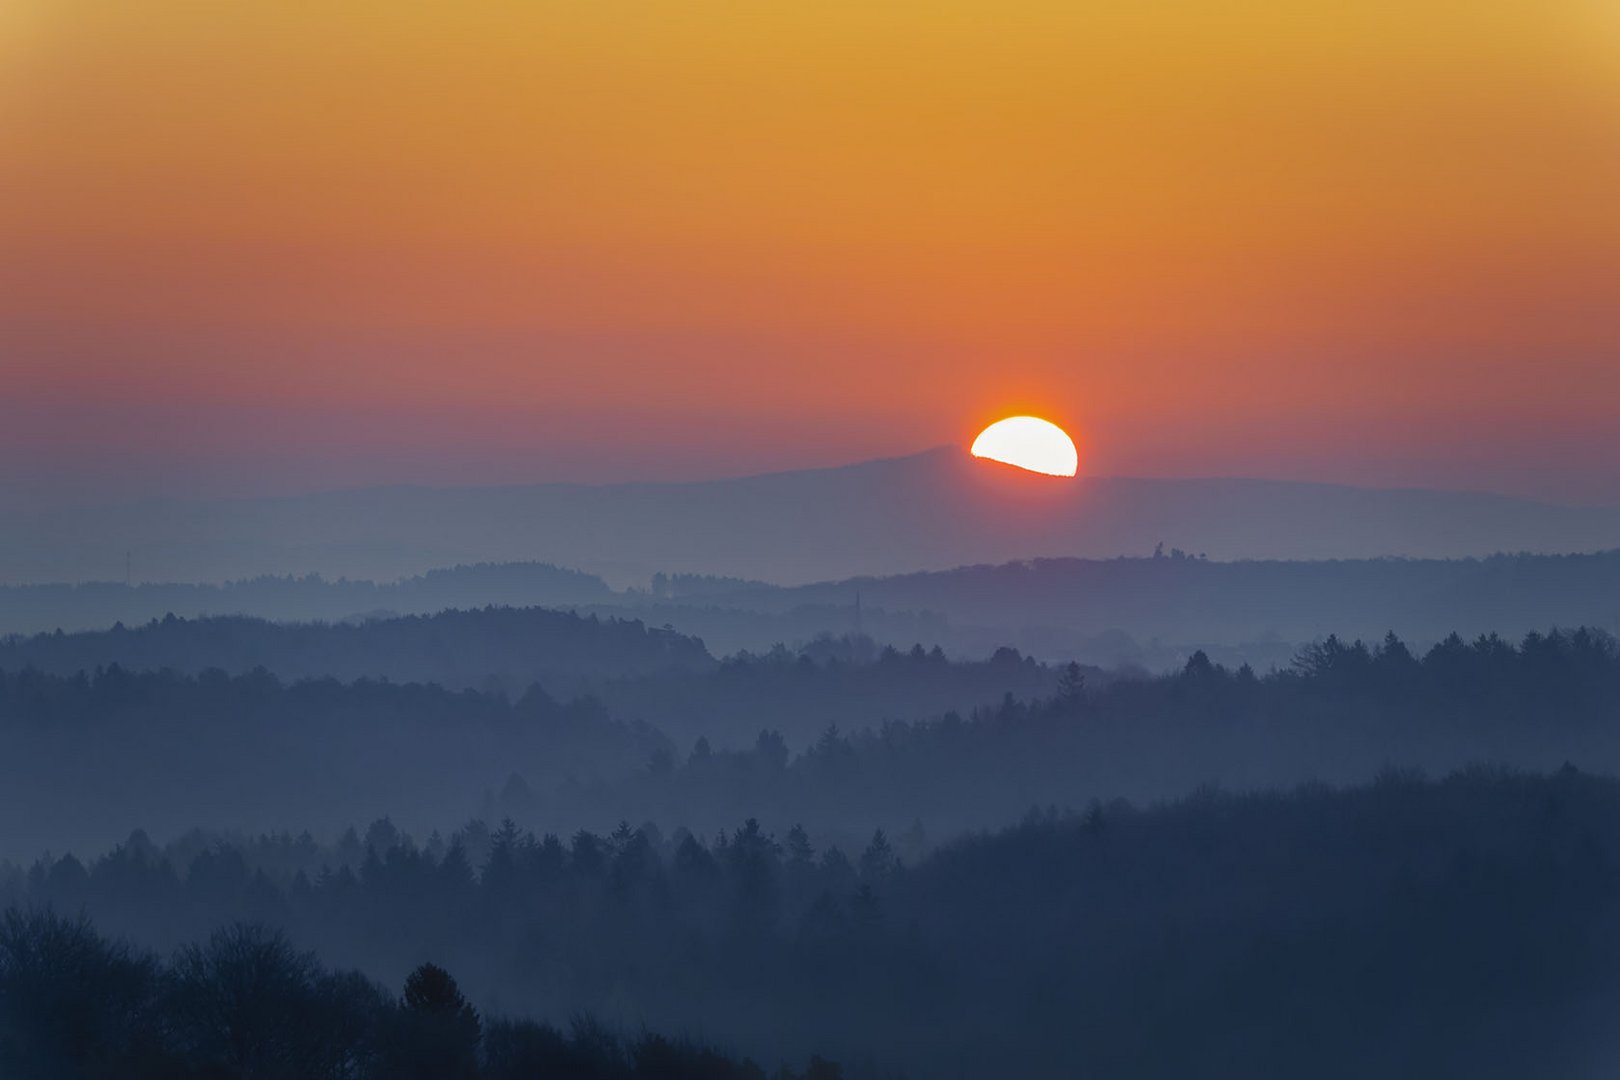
260,246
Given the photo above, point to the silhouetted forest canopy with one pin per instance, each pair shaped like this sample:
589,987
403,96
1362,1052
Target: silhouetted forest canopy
638,672
731,630
493,648
96,605
1340,713
846,682
244,1002
84,758
1149,611
1128,610
82,754
1465,927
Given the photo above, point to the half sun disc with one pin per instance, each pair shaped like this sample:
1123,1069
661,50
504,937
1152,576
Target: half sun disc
1028,442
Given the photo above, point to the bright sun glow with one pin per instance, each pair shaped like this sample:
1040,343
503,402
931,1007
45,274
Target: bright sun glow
1029,443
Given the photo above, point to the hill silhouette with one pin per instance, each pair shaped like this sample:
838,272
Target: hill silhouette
500,648
82,756
97,605
1403,928
927,511
1111,610
640,673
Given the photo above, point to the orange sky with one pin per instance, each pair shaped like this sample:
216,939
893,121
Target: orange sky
333,242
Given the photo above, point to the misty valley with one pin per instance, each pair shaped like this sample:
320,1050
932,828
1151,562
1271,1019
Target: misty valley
565,840
684,540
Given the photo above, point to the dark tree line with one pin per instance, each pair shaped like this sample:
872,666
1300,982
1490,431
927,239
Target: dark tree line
1062,607
1340,713
245,1003
29,609
83,756
849,681
82,759
639,672
1469,927
1139,611
504,649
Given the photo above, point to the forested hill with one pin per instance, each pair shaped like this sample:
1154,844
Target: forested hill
639,672
490,648
96,605
82,758
1464,928
245,1002
1343,712
98,755
847,683
1188,599
1144,611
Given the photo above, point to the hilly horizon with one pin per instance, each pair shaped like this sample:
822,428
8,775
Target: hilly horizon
1142,612
483,596
933,510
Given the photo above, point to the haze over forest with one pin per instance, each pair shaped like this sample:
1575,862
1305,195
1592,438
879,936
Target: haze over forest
808,774
881,541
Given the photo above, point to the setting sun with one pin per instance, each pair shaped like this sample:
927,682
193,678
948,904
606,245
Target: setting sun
1029,443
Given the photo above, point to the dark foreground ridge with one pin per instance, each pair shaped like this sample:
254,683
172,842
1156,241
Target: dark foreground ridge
1403,928
245,1003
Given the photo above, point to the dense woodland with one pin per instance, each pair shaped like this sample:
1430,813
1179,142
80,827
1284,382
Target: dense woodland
29,609
244,1002
82,758
1146,610
801,852
1469,927
1150,611
638,672
500,649
1341,713
85,758
453,624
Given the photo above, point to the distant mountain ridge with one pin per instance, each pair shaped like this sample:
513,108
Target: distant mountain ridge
496,647
933,510
28,609
1146,611
1063,607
